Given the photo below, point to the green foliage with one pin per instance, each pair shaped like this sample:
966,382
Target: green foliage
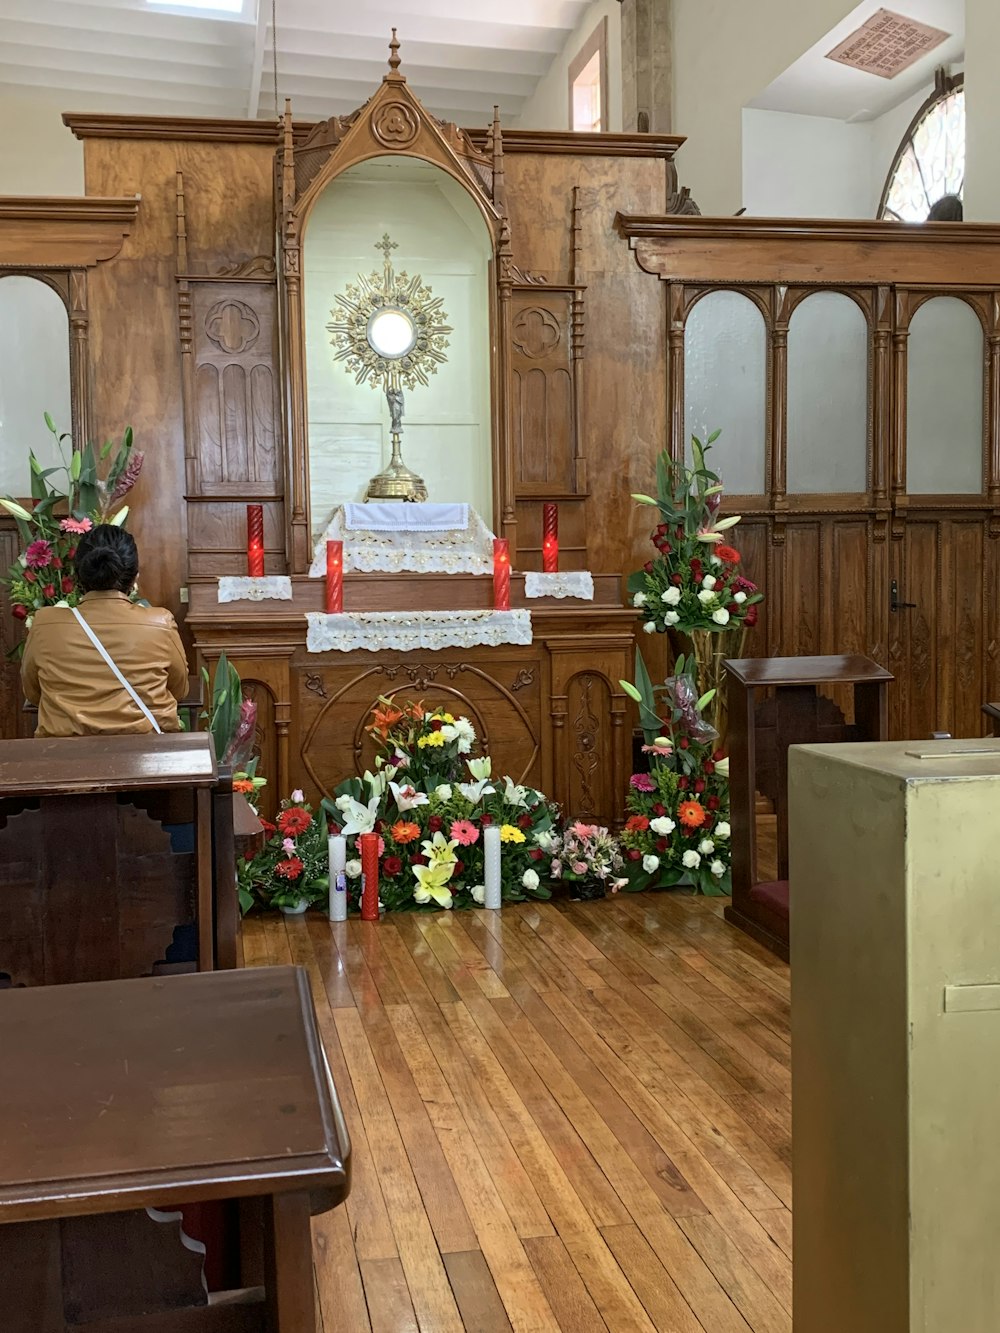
226,695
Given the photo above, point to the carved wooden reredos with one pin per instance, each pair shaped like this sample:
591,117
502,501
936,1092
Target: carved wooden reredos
241,323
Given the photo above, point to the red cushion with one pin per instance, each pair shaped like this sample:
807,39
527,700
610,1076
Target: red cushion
773,897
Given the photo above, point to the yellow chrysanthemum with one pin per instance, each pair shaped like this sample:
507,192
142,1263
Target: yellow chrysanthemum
433,738
443,717
508,833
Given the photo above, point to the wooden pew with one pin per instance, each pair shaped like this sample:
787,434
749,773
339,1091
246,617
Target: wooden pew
91,886
127,1096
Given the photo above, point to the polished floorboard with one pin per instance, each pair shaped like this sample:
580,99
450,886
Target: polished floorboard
565,1116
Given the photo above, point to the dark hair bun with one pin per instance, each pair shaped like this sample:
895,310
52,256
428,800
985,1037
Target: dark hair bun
106,560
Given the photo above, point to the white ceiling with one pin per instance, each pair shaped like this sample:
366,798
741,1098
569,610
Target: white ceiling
155,58
815,86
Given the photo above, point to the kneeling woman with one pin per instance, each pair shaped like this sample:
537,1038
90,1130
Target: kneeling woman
110,667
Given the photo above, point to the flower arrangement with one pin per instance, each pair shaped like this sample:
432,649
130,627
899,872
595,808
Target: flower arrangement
429,800
293,868
51,529
694,581
587,855
678,812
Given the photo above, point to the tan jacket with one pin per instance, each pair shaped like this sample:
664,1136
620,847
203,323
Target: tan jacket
75,689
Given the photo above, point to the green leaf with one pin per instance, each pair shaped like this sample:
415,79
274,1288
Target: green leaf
713,437
645,500
705,700
106,448
128,437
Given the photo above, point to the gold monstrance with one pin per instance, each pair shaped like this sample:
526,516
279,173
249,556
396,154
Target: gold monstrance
391,333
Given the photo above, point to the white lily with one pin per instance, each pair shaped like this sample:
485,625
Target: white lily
377,782
475,791
439,851
360,818
406,797
480,768
513,794
432,884
722,766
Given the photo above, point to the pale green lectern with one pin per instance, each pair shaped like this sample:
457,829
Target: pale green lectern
895,949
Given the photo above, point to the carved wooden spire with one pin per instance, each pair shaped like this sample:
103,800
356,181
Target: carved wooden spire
496,148
394,60
287,157
182,250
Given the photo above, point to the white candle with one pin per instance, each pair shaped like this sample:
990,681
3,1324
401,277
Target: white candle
337,847
491,856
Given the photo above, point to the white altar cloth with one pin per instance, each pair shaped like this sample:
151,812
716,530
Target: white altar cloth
272,587
391,544
406,630
570,583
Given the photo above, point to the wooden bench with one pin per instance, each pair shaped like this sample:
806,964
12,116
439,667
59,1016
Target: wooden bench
92,888
127,1096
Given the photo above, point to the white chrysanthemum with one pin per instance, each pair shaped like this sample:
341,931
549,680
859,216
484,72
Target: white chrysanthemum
691,860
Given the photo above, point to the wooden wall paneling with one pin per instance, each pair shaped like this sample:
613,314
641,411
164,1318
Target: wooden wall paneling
544,398
588,714
966,543
217,535
801,578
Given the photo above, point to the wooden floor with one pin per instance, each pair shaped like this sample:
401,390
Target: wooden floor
565,1116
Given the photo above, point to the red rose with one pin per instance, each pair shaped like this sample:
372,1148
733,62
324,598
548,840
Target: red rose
525,821
659,809
699,785
485,820
751,618
30,575
19,612
391,865
648,566
676,580
67,585
435,823
536,853
718,754
55,563
713,803
733,608
49,590
708,768
459,869
684,743
634,854
661,844
420,860
682,784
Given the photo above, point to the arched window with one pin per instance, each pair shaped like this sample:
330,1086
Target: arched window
930,162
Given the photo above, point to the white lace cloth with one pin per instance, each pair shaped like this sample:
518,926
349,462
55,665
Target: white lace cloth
430,630
273,587
458,550
388,516
574,583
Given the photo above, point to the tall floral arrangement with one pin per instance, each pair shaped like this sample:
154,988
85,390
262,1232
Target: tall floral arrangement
678,810
694,586
94,484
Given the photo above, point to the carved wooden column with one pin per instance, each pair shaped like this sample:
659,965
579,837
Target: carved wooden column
294,333
993,407
676,316
503,393
882,397
900,335
186,330
577,334
779,397
79,351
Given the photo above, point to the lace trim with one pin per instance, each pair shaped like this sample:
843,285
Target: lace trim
573,583
431,630
456,551
273,587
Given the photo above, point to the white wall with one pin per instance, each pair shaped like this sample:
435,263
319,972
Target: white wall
982,108
447,424
38,154
804,166
34,378
548,106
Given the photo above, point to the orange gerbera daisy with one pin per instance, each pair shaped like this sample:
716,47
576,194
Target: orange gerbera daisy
692,814
243,785
404,831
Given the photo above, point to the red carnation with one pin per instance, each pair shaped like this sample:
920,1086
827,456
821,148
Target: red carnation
733,608
684,743
659,809
713,803
682,784
30,575
708,768
391,865
459,869
19,612
536,853
267,826
67,585
485,820
728,555
699,785
636,824
525,821
49,590
294,821
751,618
437,725
420,860
634,854
661,844
718,754
435,823
648,566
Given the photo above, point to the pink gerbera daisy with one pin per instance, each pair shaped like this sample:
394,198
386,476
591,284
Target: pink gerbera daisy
38,554
75,525
464,832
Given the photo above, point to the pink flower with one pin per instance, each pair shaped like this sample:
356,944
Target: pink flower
642,782
464,833
664,751
38,554
288,845
583,831
75,525
579,867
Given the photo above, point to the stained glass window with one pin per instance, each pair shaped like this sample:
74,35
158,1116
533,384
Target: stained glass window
931,159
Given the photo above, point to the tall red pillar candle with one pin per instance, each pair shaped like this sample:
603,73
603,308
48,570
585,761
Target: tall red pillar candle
369,876
255,541
334,578
550,538
501,574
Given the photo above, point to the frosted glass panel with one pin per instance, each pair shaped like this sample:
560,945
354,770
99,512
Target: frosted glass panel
827,396
34,379
944,409
725,385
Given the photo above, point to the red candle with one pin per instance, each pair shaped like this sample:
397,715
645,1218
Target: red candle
501,574
334,578
369,876
550,538
255,541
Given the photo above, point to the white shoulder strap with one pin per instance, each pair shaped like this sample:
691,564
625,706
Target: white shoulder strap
120,678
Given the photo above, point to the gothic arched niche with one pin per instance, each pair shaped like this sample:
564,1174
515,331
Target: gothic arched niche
415,218
34,378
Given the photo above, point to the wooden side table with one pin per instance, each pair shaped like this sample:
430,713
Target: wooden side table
775,702
127,1096
91,888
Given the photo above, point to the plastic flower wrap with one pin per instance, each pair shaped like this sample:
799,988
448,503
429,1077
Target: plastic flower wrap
240,749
